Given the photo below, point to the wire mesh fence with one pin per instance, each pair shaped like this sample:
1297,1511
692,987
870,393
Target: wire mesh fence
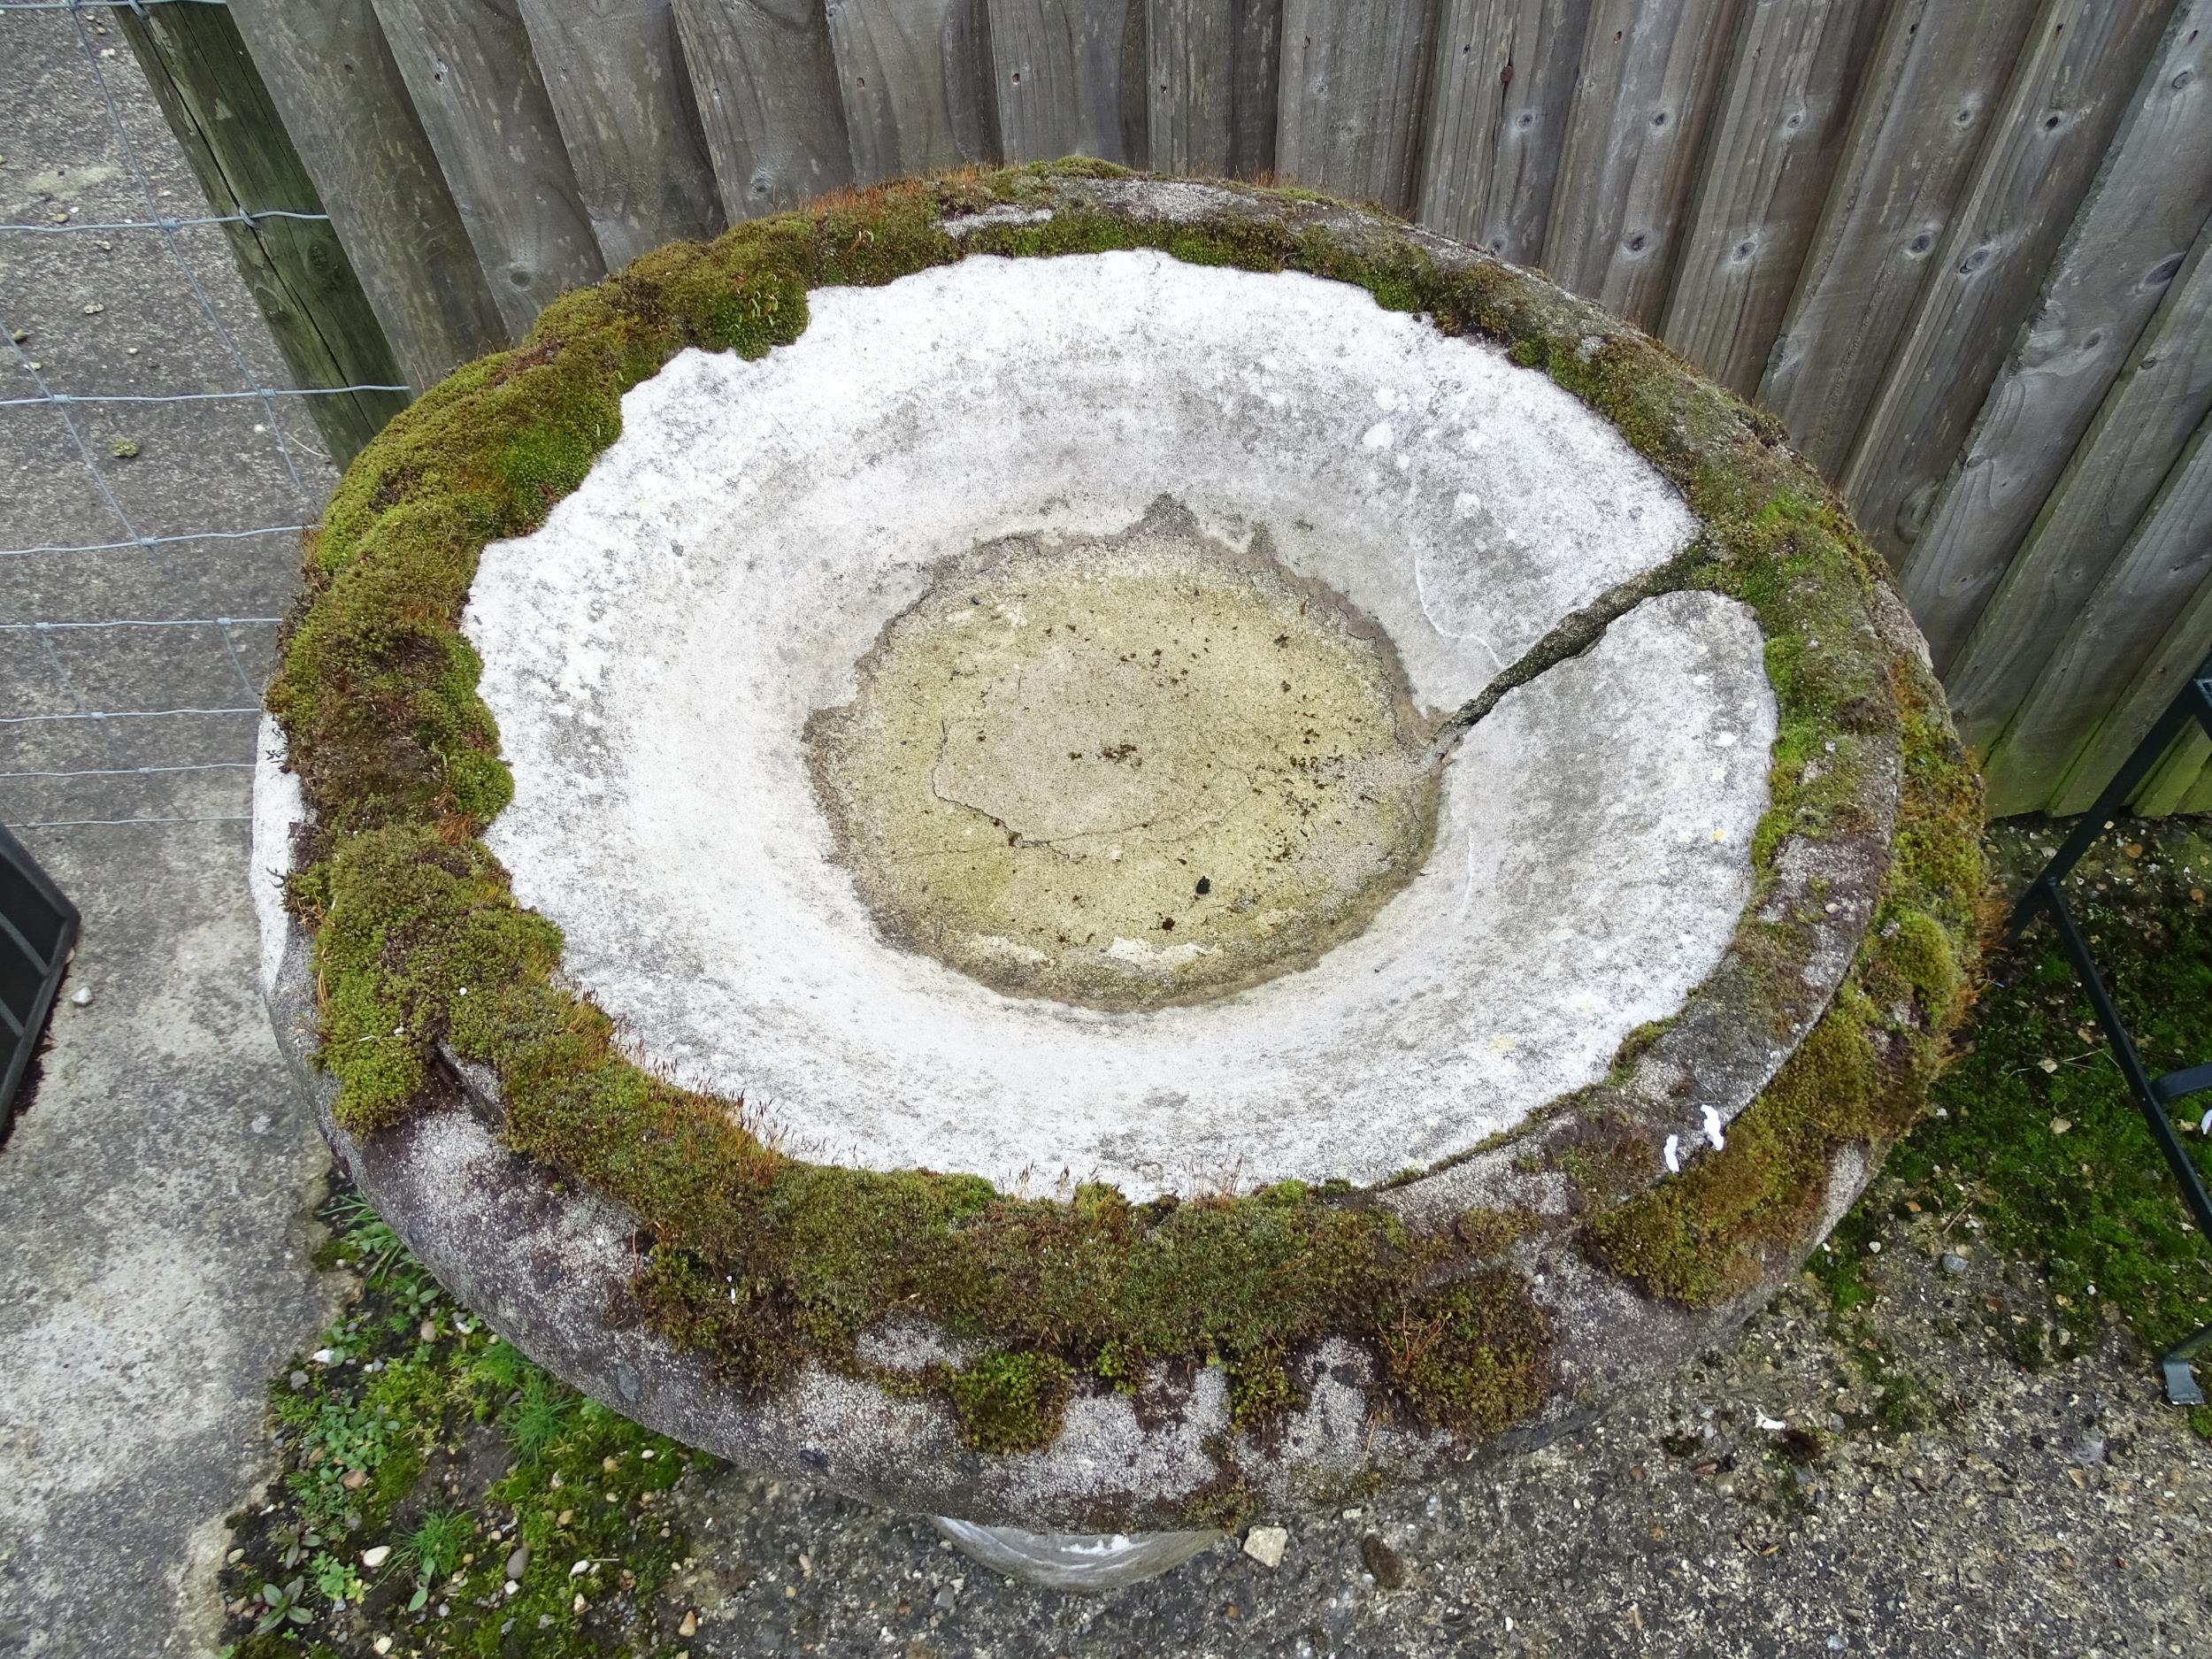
156,465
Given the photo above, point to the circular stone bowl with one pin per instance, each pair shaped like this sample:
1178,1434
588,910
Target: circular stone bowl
1112,891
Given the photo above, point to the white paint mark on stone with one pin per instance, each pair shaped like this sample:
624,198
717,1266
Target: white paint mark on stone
1673,1154
1713,1127
278,808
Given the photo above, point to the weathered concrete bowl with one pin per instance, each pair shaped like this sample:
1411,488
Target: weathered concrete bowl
1105,892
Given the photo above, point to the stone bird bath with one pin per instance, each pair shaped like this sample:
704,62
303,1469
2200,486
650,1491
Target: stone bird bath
1098,856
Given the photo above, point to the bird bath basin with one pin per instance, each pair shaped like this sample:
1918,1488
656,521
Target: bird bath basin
1100,894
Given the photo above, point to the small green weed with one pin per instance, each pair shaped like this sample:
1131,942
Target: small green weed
386,1435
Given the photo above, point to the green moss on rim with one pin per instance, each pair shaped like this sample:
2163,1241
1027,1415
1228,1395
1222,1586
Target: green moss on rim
763,1261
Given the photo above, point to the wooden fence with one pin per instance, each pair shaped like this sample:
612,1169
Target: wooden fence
1960,246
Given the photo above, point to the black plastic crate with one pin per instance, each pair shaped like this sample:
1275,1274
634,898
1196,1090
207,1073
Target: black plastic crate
38,930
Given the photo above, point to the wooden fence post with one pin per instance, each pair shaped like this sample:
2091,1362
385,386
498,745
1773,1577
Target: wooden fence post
348,114
1643,103
1214,66
615,77
1355,84
1785,106
2162,396
2131,236
1069,79
915,79
1501,82
2064,103
1923,108
484,104
2142,664
2081,720
296,269
767,93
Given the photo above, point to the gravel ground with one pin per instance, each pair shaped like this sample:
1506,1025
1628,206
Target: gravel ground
2061,1510
154,1268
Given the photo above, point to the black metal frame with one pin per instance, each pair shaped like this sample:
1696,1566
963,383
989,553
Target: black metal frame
38,932
2154,1095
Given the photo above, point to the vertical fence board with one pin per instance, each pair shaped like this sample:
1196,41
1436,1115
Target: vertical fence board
2200,796
1214,67
296,269
2131,236
1501,82
2073,86
2120,637
1070,78
1778,136
2161,397
1938,69
766,89
468,67
1643,102
2167,787
1355,81
914,77
333,80
2177,654
615,77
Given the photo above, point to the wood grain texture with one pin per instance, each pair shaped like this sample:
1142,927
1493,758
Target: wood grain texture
1214,68
467,66
2133,235
1923,108
2162,396
1643,101
2067,98
2169,666
2175,778
1070,80
331,76
915,79
2122,657
765,83
1354,87
1785,107
616,76
1501,82
297,269
2200,796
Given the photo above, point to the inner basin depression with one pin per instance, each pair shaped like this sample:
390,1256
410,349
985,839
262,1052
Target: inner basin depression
1045,723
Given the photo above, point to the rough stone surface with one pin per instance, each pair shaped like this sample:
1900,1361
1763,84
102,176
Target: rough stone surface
655,653
2061,1511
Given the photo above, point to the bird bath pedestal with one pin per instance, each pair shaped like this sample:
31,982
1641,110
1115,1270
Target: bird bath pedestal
1098,856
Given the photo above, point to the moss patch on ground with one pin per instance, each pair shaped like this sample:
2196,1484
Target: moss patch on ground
762,1260
2036,1138
415,1432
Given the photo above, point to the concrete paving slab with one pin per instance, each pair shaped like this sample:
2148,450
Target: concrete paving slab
154,1195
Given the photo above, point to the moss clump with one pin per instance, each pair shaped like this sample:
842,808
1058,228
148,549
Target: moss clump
1472,1356
1010,1402
762,1261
